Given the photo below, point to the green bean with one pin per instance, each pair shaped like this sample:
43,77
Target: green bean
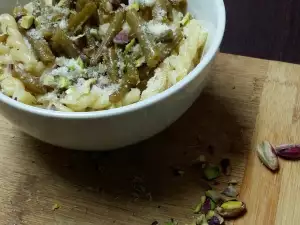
90,40
47,34
142,85
119,94
114,28
41,49
145,72
150,50
80,4
76,22
129,79
132,74
168,48
105,6
30,82
112,64
67,46
179,5
56,49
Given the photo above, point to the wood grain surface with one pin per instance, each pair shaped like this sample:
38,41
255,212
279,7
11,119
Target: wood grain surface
247,100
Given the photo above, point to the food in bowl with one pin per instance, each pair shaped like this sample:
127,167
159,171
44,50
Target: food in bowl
90,55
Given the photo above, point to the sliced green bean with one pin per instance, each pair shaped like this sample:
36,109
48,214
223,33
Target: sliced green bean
132,74
47,34
67,46
112,60
150,50
76,22
168,48
80,4
145,72
105,6
118,95
30,82
90,40
114,28
129,79
41,49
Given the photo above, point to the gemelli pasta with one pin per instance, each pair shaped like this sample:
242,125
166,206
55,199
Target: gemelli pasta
88,55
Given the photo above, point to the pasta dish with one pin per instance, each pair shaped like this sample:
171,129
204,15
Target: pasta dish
88,55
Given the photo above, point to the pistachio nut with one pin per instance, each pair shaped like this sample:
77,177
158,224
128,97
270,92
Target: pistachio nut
199,206
211,171
230,191
266,154
288,151
231,209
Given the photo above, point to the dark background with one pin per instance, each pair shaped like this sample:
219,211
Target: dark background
267,29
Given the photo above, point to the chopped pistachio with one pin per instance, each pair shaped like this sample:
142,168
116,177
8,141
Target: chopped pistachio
80,62
63,82
216,220
140,61
135,6
55,206
19,12
210,214
200,220
199,206
208,205
218,197
211,172
186,19
129,46
230,191
172,222
26,22
214,195
49,81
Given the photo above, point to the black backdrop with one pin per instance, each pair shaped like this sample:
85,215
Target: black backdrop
263,28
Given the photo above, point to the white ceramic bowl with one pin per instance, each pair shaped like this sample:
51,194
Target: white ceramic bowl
114,128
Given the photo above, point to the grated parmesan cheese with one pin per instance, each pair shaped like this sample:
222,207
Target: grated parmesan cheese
63,24
148,3
35,34
157,28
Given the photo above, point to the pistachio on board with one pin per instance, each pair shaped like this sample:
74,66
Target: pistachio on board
266,154
230,191
211,171
288,151
231,209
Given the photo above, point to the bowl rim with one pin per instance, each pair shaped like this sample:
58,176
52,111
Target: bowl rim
220,29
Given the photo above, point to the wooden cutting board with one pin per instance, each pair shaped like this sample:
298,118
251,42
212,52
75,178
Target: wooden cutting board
247,100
